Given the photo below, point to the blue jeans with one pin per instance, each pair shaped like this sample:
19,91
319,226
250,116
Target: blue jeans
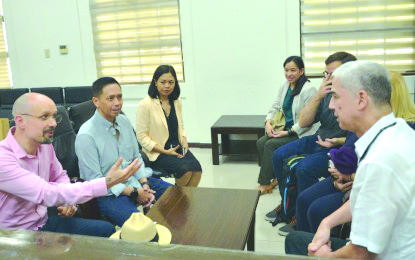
79,226
309,169
158,185
316,203
118,209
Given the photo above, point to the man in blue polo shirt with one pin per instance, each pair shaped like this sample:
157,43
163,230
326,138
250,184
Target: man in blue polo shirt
105,137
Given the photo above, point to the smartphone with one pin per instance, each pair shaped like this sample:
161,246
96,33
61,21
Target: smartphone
182,151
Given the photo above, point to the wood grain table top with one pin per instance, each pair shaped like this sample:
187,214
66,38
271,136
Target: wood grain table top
209,217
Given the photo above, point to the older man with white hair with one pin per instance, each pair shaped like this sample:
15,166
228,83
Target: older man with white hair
382,202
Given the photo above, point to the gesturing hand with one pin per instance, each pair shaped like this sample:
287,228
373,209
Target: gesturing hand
116,175
172,151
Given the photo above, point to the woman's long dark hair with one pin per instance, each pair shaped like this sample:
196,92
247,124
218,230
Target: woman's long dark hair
302,79
162,69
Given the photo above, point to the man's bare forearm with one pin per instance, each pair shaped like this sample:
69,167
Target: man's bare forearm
340,216
308,113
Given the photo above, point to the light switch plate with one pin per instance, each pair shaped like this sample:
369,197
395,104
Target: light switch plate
47,53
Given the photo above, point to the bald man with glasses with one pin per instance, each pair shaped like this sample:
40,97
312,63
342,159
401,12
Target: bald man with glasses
32,179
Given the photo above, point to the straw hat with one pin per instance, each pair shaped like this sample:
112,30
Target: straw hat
142,229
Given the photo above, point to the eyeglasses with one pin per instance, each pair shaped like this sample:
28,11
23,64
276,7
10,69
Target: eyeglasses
56,117
326,74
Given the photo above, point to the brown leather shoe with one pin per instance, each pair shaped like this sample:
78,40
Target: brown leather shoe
264,189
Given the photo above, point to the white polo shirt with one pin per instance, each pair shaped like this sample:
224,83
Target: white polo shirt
382,200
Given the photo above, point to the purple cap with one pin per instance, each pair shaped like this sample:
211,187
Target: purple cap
344,159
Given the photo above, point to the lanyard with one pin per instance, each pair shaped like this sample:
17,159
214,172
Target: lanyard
377,135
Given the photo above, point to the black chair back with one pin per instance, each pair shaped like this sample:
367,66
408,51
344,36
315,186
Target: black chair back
7,99
54,93
80,113
76,95
8,96
64,144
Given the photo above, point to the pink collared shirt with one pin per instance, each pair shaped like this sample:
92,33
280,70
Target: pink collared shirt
31,183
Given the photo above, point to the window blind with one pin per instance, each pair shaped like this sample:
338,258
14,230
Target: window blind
133,37
5,81
382,31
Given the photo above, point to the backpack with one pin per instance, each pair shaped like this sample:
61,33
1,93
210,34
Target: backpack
290,192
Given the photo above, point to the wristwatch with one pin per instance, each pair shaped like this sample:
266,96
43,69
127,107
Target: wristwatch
134,195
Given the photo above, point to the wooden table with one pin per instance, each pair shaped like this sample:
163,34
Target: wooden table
235,124
220,218
4,127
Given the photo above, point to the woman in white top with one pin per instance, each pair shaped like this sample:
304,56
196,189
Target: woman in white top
292,96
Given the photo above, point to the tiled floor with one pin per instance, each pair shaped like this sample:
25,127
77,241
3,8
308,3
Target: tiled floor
242,173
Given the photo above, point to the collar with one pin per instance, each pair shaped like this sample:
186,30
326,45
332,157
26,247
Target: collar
16,147
363,142
105,123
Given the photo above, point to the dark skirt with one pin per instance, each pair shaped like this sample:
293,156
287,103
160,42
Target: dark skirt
176,166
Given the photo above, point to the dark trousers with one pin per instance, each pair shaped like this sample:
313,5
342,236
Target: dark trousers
309,169
315,203
79,226
296,243
266,146
118,209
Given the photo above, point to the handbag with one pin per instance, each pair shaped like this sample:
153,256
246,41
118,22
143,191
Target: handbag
278,122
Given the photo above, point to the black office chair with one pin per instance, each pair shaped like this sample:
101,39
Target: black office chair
80,113
64,144
54,93
76,95
7,99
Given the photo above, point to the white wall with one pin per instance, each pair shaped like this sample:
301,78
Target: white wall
233,53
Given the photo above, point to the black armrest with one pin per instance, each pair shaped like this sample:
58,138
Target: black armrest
89,209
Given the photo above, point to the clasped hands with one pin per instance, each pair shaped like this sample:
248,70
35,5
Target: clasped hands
271,133
321,245
341,181
145,195
67,210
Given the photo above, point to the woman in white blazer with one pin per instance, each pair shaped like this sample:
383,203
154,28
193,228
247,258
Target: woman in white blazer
292,96
160,129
